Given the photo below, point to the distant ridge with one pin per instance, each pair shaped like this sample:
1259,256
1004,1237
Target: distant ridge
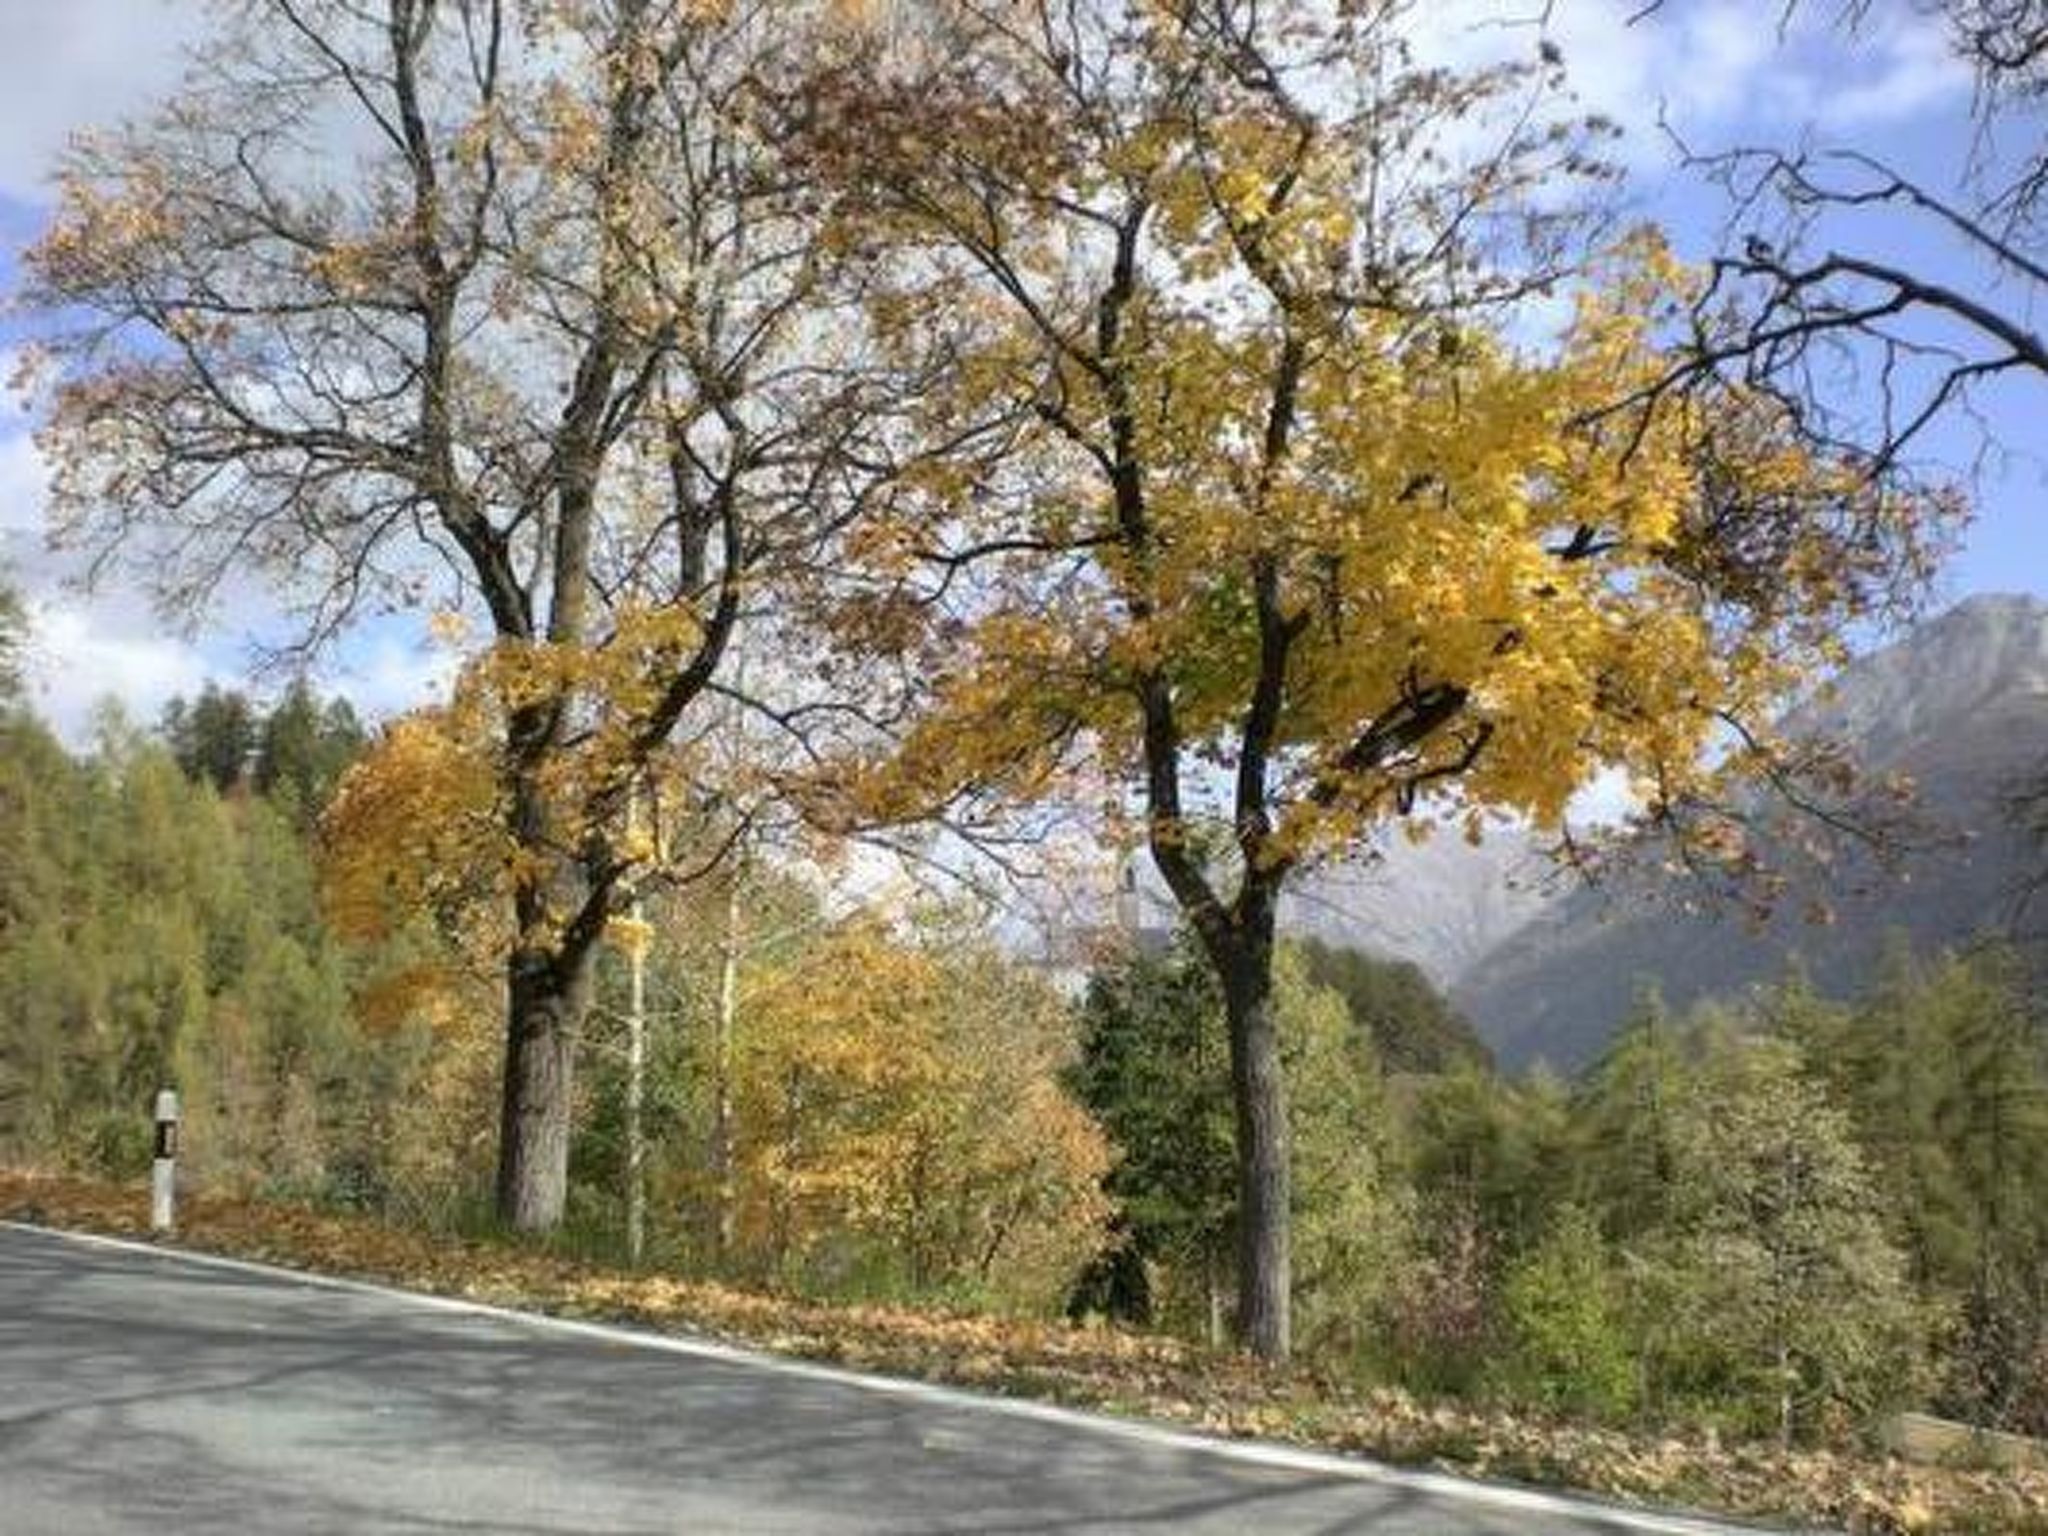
1960,704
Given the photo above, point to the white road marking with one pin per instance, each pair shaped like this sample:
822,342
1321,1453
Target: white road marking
1252,1452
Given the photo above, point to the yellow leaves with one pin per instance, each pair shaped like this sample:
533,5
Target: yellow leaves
448,627
413,827
570,138
853,15
630,935
355,269
1448,511
1244,194
427,991
907,1093
113,212
420,826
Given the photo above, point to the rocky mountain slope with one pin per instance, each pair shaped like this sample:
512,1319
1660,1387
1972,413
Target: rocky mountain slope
1960,705
1439,904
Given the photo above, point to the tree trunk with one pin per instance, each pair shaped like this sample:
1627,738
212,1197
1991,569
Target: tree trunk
636,1085
724,1160
546,1000
1259,1097
1212,1280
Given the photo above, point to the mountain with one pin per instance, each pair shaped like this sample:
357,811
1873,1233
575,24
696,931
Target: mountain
1960,704
1439,904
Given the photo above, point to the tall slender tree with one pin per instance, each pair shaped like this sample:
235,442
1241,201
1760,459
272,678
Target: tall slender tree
494,305
1271,519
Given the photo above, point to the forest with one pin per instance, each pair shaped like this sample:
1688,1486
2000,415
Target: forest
857,456
1777,1218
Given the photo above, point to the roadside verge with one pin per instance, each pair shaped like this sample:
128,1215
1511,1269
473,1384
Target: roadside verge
1060,1369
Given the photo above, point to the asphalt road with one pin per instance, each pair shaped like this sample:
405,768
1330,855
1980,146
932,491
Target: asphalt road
145,1391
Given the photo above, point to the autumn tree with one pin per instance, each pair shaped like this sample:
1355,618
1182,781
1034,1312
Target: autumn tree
1278,512
905,1120
492,305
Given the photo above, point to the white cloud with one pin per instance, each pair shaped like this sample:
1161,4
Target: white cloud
393,668
110,641
81,653
1713,70
65,64
1910,70
23,477
82,647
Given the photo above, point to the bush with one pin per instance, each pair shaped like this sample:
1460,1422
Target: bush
1568,1342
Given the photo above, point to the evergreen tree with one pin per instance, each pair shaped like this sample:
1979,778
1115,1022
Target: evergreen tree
154,933
1942,1067
1624,1161
303,747
1154,1069
213,737
1568,1341
1412,1024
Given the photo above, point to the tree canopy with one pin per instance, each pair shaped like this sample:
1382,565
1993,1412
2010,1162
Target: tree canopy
1276,517
532,329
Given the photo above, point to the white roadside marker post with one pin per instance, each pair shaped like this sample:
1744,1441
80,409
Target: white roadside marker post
163,1172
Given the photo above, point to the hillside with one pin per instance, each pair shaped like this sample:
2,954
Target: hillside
1960,705
1441,905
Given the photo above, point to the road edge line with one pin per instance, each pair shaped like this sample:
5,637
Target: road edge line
1143,1431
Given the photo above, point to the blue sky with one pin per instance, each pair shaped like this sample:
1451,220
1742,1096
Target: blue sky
1719,71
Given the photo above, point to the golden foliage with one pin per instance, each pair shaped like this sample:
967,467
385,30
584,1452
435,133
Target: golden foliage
413,829
914,1100
1256,446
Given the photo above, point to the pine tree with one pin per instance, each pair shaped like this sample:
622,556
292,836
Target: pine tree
303,747
1624,1163
1776,1297
213,737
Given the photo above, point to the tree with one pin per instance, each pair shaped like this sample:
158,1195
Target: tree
154,932
213,737
1412,1024
1154,1069
1942,1068
1257,511
533,311
1782,1291
1623,1117
303,748
906,1122
1569,1343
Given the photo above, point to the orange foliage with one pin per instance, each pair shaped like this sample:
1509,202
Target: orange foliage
914,1100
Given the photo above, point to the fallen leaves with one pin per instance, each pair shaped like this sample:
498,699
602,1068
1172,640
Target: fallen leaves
1082,1366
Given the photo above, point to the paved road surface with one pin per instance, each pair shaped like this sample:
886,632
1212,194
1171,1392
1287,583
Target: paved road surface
146,1392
